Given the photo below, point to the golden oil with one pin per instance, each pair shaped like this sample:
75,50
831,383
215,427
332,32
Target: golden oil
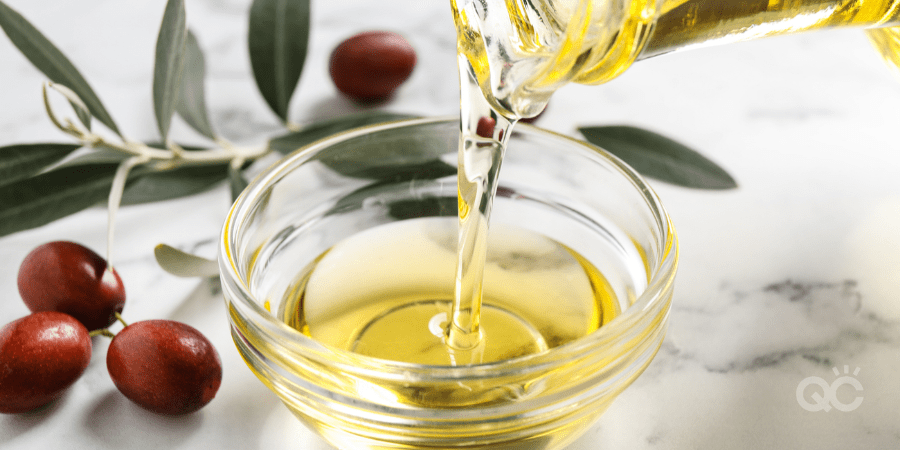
388,293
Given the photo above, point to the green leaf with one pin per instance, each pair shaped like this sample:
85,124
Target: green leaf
278,39
183,264
84,116
170,49
86,181
236,181
21,161
292,141
49,60
399,157
175,183
151,185
659,157
98,156
162,146
191,104
53,195
106,155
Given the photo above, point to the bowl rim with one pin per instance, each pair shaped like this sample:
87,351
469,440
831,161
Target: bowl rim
652,302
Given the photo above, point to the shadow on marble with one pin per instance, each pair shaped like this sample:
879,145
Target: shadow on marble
199,303
111,421
339,106
14,425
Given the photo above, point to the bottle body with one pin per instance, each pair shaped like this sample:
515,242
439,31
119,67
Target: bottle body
684,24
521,51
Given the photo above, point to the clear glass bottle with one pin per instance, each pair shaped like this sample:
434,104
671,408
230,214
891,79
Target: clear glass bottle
521,51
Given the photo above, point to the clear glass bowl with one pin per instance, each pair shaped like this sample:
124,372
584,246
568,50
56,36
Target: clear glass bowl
328,191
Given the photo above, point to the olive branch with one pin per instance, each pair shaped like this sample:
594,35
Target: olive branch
43,182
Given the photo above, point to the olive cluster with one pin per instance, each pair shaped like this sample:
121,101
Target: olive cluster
162,365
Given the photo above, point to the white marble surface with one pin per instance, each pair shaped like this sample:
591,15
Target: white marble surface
792,274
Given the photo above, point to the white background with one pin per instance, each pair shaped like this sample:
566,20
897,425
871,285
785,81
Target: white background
793,273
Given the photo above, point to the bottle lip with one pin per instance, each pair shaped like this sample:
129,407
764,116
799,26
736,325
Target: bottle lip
647,312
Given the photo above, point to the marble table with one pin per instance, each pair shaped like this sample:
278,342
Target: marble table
784,283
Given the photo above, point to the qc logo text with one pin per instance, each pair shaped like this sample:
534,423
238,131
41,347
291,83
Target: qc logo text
827,399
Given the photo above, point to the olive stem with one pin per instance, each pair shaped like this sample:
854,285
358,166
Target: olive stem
102,332
121,320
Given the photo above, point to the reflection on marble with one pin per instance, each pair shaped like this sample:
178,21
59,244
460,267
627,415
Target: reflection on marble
793,274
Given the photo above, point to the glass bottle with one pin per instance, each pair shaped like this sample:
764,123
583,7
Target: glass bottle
521,51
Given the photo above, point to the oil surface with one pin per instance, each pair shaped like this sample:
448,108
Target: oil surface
388,293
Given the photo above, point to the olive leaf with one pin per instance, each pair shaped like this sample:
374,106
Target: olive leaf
51,62
278,39
659,157
157,185
191,103
167,71
53,195
183,264
311,133
98,156
21,161
147,185
84,181
175,183
399,157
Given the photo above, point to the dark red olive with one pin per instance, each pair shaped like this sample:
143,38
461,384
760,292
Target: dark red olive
164,366
41,355
70,278
369,66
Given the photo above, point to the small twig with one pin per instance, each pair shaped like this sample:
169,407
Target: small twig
175,149
121,320
169,158
101,332
70,129
174,154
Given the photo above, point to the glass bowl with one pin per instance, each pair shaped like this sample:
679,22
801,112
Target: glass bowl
403,172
